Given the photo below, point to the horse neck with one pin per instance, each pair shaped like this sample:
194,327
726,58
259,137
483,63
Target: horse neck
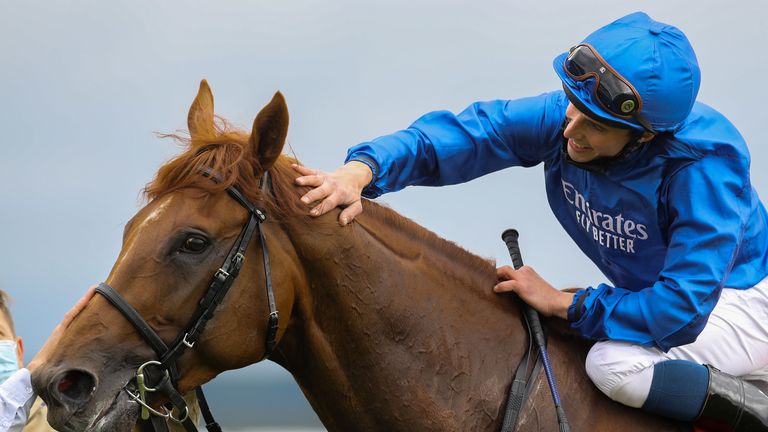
391,309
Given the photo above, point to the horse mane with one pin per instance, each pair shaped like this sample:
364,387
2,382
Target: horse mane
450,249
228,152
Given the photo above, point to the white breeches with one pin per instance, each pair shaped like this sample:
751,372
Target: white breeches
735,340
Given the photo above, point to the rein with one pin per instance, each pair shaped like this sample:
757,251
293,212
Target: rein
162,375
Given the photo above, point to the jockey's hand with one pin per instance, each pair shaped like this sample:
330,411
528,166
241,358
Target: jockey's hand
53,340
534,290
341,188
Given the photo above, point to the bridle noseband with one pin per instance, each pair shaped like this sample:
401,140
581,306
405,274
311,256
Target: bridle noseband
147,378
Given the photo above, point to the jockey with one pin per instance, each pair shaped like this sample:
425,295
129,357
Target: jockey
652,185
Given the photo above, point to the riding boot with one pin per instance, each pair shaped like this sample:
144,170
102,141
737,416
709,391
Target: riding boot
735,403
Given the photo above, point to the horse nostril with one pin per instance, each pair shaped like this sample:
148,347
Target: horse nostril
65,384
76,385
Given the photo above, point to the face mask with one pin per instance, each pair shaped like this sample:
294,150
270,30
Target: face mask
9,363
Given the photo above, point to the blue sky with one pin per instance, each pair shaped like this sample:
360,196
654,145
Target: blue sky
85,84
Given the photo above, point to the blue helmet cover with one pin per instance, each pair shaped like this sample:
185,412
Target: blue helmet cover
656,58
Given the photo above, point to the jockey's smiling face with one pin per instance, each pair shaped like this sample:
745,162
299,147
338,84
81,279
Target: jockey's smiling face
589,139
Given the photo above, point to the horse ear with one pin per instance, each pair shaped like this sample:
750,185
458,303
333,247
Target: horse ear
200,117
269,131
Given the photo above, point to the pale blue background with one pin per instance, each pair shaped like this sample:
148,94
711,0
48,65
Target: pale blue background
86,83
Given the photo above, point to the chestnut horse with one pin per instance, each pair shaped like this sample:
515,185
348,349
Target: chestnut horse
384,326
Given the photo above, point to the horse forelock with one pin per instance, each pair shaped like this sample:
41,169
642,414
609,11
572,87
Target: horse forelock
228,152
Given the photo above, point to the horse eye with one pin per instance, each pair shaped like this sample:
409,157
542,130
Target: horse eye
194,244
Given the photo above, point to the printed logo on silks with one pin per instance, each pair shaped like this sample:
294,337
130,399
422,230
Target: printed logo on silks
610,231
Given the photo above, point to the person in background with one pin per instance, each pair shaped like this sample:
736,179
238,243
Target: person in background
652,185
12,359
20,408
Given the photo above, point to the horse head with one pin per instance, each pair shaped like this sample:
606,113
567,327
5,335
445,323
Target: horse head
172,254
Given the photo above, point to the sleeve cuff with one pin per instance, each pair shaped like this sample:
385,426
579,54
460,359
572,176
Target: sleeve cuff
17,389
371,190
576,309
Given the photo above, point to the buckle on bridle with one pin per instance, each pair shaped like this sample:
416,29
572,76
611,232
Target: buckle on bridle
221,272
260,214
237,260
185,342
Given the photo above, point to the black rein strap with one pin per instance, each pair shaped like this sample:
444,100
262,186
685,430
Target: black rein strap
522,384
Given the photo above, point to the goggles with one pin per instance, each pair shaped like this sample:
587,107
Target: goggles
614,93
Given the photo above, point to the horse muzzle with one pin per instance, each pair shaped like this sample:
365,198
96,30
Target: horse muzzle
77,403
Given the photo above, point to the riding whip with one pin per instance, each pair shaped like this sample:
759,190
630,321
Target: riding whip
510,237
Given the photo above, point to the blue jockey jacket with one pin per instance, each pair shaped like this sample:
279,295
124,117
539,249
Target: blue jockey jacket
670,224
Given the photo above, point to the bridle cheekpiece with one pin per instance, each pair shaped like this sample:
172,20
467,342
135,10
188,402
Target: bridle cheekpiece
147,378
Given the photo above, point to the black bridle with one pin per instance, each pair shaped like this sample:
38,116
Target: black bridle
147,377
